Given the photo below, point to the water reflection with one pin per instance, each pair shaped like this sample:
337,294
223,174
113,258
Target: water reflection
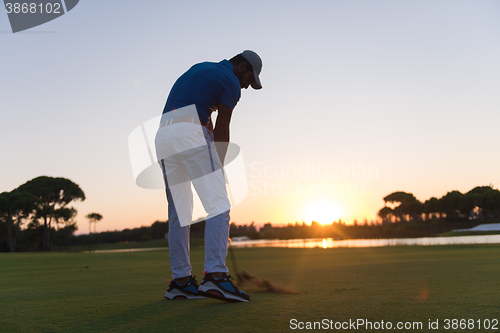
331,243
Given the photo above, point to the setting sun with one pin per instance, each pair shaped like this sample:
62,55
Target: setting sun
322,212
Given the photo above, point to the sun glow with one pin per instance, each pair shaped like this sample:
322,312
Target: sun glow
322,212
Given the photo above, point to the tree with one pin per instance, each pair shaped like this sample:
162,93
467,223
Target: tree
414,209
54,195
63,235
65,216
407,205
398,197
158,230
15,209
432,208
267,231
453,204
243,230
492,203
386,214
486,199
93,218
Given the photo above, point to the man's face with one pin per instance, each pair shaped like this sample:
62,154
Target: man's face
246,79
244,76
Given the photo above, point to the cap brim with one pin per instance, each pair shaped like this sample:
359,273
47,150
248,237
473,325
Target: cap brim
256,83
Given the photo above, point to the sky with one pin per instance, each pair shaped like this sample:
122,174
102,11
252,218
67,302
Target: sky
359,99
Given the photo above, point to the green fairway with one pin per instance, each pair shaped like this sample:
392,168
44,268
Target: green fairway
124,292
194,241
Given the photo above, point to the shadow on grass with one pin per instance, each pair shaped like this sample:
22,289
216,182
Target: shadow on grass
166,316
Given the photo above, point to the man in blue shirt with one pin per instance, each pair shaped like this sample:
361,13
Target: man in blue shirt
186,151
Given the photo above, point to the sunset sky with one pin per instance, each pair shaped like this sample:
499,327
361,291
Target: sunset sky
359,99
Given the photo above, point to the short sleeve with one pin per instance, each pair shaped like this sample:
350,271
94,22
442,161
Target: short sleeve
231,94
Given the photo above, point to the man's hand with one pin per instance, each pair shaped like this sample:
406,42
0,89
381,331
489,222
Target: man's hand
221,131
210,125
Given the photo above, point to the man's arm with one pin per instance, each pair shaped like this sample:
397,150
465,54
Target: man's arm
221,131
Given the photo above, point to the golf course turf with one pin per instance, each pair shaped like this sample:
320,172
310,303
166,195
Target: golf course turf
124,292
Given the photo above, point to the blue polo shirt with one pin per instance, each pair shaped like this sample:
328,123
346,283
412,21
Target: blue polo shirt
206,85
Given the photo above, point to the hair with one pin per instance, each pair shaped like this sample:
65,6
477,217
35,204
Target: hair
238,59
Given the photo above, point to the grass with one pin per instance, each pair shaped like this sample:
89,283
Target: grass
469,233
195,242
123,292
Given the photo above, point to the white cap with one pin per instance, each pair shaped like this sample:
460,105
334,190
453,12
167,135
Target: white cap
254,60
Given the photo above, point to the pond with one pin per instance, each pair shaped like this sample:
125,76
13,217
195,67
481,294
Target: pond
331,243
327,243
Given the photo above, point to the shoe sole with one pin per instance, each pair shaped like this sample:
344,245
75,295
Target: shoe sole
209,289
180,296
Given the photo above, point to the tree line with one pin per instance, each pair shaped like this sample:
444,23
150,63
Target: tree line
453,211
480,203
37,215
336,230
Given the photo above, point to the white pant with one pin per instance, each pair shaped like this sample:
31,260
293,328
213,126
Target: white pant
186,153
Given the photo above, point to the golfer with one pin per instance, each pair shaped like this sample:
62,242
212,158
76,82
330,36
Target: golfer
187,154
